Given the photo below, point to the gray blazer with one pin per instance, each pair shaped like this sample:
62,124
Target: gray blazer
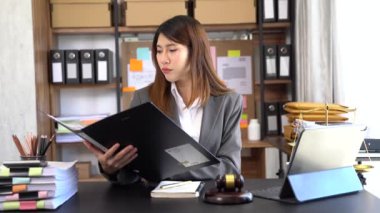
220,135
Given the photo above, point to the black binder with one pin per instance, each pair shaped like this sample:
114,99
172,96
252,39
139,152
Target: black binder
272,126
57,66
270,61
164,149
284,61
72,66
87,65
269,10
103,64
283,10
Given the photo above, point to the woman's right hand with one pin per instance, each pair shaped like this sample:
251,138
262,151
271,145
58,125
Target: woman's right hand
111,161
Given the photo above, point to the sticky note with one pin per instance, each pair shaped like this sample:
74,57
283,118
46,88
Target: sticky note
129,89
20,180
4,172
244,116
40,204
213,55
245,102
35,171
12,205
28,205
244,120
135,65
143,53
233,53
19,188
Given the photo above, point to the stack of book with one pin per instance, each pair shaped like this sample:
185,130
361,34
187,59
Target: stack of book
26,187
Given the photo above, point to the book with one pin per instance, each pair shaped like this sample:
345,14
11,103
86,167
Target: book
25,180
60,170
39,194
51,203
34,195
177,189
164,149
54,185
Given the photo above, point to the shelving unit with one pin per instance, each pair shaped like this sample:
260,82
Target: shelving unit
267,89
275,90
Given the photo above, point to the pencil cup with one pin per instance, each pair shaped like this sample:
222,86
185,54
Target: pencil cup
37,157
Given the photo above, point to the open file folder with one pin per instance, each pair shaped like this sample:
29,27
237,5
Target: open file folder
164,149
321,165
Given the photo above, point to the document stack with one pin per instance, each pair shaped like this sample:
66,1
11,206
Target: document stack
310,113
31,188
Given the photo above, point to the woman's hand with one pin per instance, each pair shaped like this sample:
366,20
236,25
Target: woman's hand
111,161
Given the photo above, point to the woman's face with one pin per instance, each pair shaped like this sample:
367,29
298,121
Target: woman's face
173,60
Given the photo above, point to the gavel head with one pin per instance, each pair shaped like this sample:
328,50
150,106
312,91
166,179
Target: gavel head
230,182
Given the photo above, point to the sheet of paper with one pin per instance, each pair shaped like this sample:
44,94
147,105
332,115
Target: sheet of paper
57,72
236,72
268,9
187,155
283,9
142,78
102,71
284,65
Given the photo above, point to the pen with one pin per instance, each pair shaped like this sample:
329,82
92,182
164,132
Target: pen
173,185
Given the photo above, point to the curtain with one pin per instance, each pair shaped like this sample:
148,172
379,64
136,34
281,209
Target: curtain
358,48
314,49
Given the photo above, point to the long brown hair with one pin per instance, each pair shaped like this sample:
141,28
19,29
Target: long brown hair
204,80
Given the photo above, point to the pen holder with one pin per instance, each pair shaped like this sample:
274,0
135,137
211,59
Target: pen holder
36,157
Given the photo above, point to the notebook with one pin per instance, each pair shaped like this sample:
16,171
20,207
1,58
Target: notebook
321,165
177,189
164,149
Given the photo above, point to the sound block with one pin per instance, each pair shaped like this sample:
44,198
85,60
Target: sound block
216,197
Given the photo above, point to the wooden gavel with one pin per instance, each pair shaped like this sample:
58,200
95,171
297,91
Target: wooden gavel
229,183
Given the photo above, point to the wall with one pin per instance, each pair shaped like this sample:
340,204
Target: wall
17,81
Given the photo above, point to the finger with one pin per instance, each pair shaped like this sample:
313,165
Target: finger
126,161
127,150
124,156
110,152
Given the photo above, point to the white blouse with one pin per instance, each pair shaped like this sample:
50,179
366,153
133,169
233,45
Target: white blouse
190,118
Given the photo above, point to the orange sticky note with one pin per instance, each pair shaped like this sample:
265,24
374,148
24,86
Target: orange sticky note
18,188
136,65
129,89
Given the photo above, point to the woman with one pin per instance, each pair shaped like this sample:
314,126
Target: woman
186,88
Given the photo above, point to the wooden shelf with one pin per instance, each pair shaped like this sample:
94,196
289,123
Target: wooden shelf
97,30
81,86
279,142
275,81
276,25
152,29
149,29
254,144
230,27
